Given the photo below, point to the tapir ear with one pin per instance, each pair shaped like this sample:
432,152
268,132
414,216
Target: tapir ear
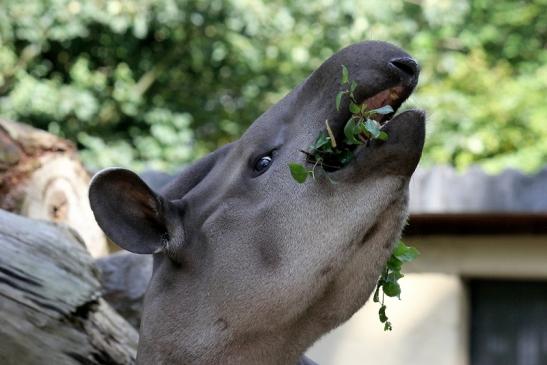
129,212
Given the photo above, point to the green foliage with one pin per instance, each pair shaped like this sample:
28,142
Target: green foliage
388,282
105,73
345,75
298,172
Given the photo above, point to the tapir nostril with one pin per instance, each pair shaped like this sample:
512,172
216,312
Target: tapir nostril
406,66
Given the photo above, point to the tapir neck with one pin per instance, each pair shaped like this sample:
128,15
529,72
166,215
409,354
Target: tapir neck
267,349
249,349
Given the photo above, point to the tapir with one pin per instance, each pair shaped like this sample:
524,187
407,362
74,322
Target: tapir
251,267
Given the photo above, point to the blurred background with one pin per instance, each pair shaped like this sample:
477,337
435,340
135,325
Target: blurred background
156,84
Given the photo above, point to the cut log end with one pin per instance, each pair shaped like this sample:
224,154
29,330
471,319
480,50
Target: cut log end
41,177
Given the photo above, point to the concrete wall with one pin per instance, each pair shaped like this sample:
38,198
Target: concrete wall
427,328
430,323
510,257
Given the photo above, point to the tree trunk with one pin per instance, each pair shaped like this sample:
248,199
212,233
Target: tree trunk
51,307
41,177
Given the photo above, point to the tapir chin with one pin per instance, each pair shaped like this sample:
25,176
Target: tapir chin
251,267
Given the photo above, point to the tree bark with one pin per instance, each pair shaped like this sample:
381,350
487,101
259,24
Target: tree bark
42,177
51,307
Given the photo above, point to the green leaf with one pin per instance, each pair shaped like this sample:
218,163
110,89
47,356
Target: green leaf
354,108
345,75
383,136
373,127
339,99
387,326
350,131
392,289
320,141
363,129
345,157
405,253
353,86
382,314
386,109
298,172
394,264
376,297
392,277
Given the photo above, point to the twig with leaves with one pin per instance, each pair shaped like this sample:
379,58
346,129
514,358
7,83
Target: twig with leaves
388,283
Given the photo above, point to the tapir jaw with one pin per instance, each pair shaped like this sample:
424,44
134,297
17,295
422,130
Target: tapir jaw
398,156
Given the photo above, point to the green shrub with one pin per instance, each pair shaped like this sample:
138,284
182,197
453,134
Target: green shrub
160,82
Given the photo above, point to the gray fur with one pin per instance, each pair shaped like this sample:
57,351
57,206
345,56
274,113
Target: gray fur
254,269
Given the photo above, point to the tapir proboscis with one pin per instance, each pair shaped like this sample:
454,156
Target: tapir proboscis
251,267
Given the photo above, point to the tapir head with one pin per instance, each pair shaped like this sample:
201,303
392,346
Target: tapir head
251,267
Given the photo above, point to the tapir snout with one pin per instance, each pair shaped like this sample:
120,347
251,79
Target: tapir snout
249,266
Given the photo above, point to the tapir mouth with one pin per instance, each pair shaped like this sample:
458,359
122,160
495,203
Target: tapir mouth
393,96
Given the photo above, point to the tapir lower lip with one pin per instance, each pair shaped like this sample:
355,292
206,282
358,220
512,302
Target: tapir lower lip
406,129
414,114
398,155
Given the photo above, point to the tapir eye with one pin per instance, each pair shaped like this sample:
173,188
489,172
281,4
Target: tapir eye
262,164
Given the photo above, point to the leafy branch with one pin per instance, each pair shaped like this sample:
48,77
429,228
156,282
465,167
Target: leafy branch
388,282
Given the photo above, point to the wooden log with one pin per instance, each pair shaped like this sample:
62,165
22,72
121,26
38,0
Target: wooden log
42,177
51,309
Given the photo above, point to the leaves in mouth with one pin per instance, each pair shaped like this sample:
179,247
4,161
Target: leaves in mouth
373,127
354,108
345,75
386,109
351,130
326,153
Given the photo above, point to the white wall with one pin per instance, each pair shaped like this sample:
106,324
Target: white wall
427,328
430,322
